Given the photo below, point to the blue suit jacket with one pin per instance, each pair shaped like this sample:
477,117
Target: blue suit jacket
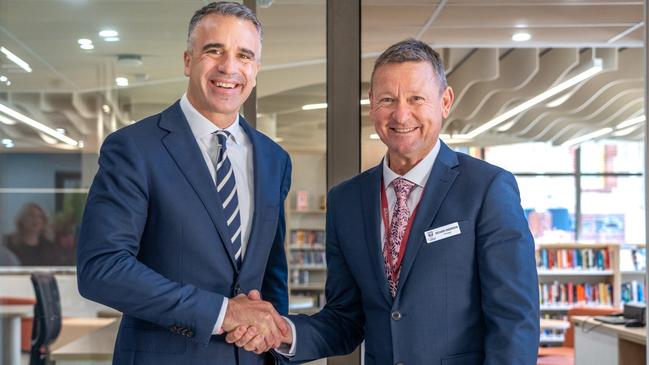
154,243
467,299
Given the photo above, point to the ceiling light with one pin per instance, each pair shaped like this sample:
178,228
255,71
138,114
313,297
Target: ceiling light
630,122
505,127
84,41
121,81
365,101
3,78
15,59
6,141
521,37
10,145
105,108
81,144
8,83
111,39
60,130
626,131
107,33
37,125
314,106
87,46
7,121
594,67
374,136
587,137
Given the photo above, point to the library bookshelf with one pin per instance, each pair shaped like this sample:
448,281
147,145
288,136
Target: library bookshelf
575,274
305,251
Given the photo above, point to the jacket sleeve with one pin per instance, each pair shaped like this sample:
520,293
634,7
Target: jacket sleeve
275,285
339,327
108,270
508,278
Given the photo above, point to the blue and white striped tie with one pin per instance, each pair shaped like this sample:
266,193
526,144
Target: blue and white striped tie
227,189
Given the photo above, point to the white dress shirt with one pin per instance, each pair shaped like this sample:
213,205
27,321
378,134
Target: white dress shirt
419,175
240,153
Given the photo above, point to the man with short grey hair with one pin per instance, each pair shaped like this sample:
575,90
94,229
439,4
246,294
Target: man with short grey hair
430,259
186,212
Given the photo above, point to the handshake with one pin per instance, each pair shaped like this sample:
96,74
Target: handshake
254,324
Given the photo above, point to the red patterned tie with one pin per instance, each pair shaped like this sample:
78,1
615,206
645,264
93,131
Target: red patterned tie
398,224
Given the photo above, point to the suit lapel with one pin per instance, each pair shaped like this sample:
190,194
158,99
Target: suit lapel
439,182
182,146
370,199
260,167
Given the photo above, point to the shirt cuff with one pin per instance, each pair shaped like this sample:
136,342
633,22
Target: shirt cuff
219,321
283,348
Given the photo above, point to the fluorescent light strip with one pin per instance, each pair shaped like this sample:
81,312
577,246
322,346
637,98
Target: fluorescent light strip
314,106
15,59
558,101
586,137
37,125
630,122
596,68
626,131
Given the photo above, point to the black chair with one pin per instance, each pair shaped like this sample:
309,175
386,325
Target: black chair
47,317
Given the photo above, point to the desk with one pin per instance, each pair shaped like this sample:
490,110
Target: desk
600,343
94,348
10,331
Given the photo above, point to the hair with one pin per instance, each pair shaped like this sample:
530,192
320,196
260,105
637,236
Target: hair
412,50
225,8
24,213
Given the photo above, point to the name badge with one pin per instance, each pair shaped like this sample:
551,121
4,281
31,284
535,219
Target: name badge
442,232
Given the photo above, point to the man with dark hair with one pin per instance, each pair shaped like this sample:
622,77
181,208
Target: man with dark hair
186,212
430,259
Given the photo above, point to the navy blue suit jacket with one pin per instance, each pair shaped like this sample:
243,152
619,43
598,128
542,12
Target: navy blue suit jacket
154,243
471,298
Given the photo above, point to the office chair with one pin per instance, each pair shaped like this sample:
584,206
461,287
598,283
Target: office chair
565,354
47,317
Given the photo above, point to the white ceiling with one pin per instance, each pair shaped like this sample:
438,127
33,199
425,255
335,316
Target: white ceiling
489,72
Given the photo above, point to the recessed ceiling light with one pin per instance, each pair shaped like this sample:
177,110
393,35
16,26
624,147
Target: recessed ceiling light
521,37
105,108
3,78
111,39
81,144
314,106
9,145
6,141
87,46
108,33
121,81
84,41
60,130
8,83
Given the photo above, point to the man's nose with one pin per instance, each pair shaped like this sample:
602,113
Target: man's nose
402,112
227,64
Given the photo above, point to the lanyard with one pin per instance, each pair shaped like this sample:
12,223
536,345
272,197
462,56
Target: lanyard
394,268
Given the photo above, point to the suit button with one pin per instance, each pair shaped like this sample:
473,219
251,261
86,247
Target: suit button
396,315
190,334
237,289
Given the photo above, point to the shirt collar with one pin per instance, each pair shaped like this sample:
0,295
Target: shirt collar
418,174
202,127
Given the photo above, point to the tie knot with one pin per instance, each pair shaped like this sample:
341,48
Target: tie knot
222,136
402,187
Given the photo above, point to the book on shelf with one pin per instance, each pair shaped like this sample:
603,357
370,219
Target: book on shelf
633,259
302,200
300,277
310,258
573,258
633,291
307,236
556,293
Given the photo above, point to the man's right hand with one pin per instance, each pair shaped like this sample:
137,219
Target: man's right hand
260,316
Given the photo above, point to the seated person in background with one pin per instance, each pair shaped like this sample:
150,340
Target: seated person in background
7,258
31,243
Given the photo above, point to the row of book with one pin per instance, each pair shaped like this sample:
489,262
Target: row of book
302,277
307,236
574,258
312,258
575,293
633,291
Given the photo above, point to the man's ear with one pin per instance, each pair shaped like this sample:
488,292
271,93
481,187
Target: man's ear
187,57
447,101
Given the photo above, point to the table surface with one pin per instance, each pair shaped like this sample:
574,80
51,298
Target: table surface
96,345
633,334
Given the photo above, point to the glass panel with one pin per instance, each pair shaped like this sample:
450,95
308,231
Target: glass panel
532,157
293,76
612,209
612,156
549,205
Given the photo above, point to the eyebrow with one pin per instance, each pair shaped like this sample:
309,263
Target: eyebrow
245,51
